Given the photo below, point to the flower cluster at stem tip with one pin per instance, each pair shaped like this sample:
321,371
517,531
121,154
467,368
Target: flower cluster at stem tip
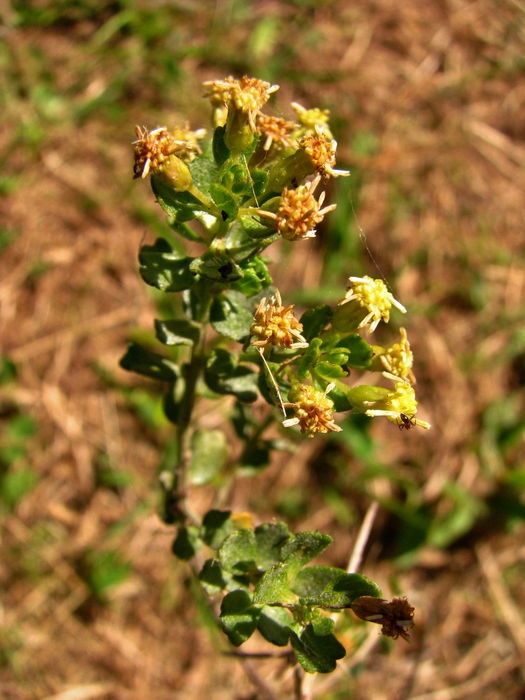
296,156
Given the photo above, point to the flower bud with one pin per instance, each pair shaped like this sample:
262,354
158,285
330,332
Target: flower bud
175,174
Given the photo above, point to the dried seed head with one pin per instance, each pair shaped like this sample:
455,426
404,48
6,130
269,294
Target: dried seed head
395,616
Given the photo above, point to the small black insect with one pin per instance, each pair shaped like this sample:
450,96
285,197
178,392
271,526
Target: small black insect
408,422
224,215
226,270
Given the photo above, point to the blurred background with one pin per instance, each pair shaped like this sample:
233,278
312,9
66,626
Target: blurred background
427,103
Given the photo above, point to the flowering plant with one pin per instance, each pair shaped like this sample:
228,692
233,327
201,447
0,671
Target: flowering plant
255,182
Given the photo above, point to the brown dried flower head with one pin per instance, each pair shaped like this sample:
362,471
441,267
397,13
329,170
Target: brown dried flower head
299,212
395,616
275,324
312,408
153,149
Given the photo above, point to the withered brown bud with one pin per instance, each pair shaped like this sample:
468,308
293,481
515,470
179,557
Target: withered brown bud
395,616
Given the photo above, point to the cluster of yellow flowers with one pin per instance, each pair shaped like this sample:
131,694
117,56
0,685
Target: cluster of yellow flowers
295,151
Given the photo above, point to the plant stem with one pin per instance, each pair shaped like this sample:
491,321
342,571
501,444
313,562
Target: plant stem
191,373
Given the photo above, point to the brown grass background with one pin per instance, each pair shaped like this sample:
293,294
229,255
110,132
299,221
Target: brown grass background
440,85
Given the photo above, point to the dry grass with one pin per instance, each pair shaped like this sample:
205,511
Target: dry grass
440,86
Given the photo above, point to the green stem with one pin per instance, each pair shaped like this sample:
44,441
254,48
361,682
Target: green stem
210,206
192,372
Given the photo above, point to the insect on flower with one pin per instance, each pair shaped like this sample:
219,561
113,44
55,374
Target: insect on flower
408,422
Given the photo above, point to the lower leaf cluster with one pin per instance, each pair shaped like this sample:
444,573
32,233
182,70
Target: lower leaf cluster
269,587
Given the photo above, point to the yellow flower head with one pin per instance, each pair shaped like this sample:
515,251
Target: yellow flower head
310,118
399,406
373,296
299,212
313,410
275,324
398,358
247,95
189,141
395,616
321,151
275,131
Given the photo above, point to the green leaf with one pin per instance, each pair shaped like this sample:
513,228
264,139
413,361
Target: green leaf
304,547
204,173
8,371
273,587
180,206
312,580
336,357
238,552
224,376
259,181
255,278
225,201
243,184
21,427
315,321
238,616
329,372
316,654
216,526
340,400
216,267
342,591
184,230
105,570
186,543
310,358
177,332
274,625
149,364
241,244
254,458
162,267
171,401
16,484
211,577
231,315
269,538
254,226
322,626
221,152
360,351
209,452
